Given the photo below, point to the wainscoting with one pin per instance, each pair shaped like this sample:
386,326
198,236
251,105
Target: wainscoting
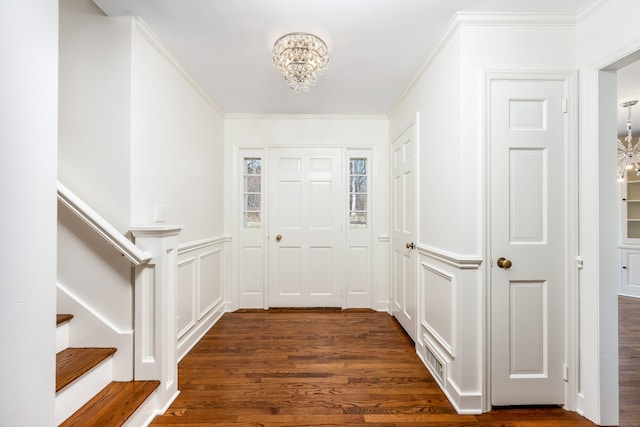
450,312
201,278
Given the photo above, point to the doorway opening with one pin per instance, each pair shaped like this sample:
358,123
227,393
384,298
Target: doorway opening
628,119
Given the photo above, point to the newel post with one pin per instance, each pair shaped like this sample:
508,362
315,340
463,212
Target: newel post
155,300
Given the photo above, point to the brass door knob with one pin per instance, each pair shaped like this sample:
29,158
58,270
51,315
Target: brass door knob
410,245
278,237
504,263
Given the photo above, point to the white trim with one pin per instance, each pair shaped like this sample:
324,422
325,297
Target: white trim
202,312
514,19
189,262
238,116
466,19
586,10
94,313
463,262
143,29
200,244
449,347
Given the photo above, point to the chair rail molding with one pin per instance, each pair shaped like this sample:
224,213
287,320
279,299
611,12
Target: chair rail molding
463,262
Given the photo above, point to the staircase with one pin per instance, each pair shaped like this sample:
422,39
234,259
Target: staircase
85,393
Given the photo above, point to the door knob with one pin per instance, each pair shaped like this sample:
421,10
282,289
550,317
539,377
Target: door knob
504,263
410,245
278,237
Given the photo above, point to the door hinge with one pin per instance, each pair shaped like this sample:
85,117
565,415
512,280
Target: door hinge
564,105
565,372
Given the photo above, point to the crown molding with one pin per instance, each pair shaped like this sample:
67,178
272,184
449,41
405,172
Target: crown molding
306,117
143,29
589,8
468,19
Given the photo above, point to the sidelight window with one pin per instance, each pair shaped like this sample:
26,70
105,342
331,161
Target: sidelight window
252,192
358,193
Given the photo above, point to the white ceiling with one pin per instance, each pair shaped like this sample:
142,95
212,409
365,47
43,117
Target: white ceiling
376,47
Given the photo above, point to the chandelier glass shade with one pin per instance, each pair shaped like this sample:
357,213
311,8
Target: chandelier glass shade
301,58
628,152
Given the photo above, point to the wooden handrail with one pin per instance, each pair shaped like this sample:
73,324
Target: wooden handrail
102,226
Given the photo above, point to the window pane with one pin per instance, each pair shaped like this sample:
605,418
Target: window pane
358,166
252,219
253,166
358,202
358,184
357,220
252,184
252,202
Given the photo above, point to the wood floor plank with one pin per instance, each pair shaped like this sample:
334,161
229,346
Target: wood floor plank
629,360
318,368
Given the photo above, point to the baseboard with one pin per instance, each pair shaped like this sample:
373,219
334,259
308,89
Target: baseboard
151,408
191,338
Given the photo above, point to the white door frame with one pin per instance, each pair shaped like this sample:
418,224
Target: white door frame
572,263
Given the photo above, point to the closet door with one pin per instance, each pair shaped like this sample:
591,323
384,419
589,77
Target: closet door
404,292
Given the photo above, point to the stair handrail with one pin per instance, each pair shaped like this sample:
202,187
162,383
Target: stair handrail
101,226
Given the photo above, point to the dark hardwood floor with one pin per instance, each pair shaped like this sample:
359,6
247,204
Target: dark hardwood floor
320,368
629,360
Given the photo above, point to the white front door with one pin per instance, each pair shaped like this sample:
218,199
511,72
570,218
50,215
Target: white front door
527,140
404,288
306,199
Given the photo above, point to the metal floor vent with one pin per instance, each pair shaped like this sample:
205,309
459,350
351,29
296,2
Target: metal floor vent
434,363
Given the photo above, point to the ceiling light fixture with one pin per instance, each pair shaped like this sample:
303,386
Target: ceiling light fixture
301,58
629,154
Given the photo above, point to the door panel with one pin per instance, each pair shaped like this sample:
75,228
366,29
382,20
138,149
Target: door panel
528,229
404,286
305,265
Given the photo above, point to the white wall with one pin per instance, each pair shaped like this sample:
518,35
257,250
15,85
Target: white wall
449,97
28,131
355,132
94,162
177,158
607,36
136,132
177,150
95,74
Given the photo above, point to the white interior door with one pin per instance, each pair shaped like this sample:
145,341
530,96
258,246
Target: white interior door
404,286
305,227
528,140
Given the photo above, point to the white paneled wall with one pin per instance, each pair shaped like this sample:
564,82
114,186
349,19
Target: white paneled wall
201,276
365,250
447,324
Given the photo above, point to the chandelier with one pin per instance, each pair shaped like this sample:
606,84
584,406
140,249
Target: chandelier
301,58
629,154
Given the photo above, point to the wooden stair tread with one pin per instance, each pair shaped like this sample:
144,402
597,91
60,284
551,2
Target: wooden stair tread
113,405
61,318
72,363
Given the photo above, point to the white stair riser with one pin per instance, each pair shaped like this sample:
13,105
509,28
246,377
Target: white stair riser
79,392
62,337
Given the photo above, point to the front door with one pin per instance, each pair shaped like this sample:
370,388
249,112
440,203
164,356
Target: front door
404,288
306,219
527,141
